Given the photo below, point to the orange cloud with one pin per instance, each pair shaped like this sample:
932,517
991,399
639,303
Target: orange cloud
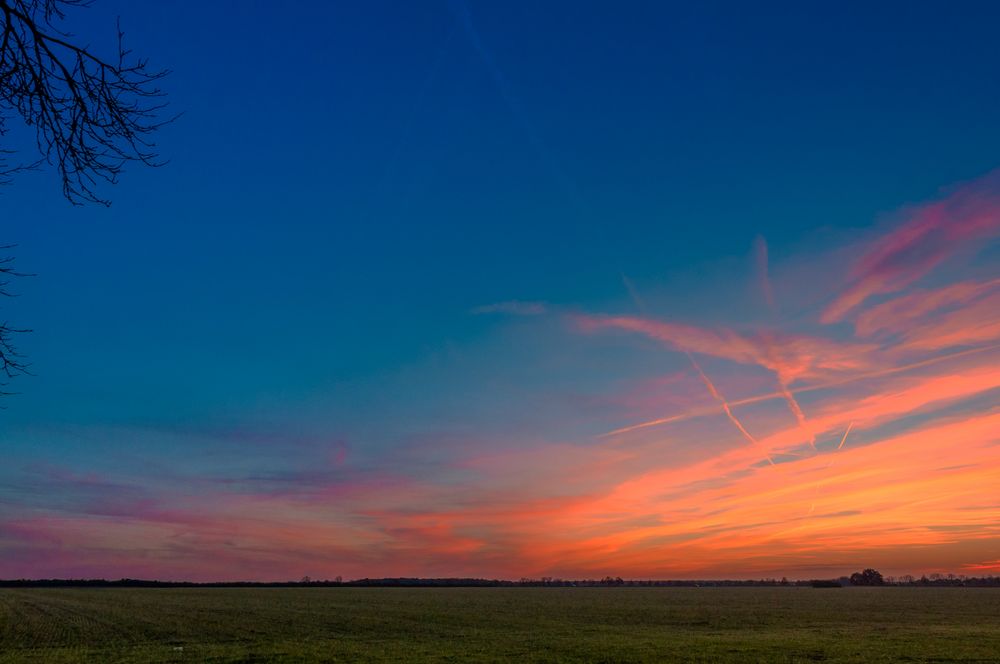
988,566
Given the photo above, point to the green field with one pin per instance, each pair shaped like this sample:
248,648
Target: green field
500,624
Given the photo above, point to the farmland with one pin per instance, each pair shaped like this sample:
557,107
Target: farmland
497,624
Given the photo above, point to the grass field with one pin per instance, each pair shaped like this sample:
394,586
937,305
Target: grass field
500,624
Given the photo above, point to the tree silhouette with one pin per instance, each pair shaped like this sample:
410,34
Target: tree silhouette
868,577
90,115
11,363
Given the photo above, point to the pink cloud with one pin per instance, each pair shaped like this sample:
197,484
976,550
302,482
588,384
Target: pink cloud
901,314
959,314
930,234
790,357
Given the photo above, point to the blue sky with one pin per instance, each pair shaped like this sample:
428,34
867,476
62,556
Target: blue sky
349,182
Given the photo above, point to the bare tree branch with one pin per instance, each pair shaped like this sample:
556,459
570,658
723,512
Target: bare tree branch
11,361
91,115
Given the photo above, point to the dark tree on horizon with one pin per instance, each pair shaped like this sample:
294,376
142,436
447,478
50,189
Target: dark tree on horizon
89,114
868,577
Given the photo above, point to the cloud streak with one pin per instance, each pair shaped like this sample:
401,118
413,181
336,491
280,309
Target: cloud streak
929,235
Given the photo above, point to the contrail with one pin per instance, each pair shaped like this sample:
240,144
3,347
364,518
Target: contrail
390,167
800,417
516,108
793,405
705,379
725,406
828,464
808,388
760,246
844,439
634,294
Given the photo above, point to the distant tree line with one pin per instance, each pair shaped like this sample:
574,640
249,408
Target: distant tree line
864,578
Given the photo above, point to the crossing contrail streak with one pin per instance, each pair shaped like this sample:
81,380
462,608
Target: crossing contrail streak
800,417
828,464
808,388
725,406
793,404
844,439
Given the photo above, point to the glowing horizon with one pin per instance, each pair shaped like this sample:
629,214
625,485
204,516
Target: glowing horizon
918,474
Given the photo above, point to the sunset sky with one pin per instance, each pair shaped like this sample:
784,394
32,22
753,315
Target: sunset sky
505,289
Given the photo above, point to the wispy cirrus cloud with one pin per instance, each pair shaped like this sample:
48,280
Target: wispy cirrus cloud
923,362
959,314
790,356
902,313
930,234
985,566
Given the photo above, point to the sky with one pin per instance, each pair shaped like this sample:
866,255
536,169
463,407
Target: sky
654,290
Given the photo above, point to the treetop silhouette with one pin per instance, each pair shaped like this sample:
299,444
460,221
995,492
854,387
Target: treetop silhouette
91,114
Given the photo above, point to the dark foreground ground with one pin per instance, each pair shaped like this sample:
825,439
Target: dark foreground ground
500,624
